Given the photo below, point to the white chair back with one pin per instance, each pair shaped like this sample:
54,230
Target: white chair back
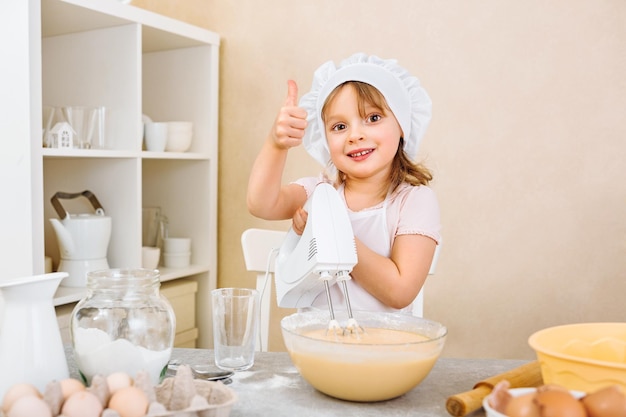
260,248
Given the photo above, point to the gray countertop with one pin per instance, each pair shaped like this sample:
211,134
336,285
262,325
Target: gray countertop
273,387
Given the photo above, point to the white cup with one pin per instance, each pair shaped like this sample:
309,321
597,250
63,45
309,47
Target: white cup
150,257
155,136
235,327
177,245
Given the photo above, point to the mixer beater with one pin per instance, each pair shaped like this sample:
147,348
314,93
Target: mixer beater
352,327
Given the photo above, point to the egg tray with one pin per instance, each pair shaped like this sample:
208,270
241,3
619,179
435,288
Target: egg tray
182,395
177,396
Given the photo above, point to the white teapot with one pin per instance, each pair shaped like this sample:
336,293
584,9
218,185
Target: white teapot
83,239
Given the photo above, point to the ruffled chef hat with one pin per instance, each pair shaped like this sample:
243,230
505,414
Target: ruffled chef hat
406,98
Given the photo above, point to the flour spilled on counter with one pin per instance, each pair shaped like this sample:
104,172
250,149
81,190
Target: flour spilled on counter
276,381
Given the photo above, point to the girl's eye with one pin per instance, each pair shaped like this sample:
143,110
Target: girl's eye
374,118
338,126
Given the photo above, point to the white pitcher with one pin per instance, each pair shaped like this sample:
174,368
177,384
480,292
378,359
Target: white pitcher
31,349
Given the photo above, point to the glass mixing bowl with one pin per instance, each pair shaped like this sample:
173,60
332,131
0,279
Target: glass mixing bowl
393,355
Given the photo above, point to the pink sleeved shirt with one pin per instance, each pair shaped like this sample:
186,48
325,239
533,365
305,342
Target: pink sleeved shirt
410,210
407,210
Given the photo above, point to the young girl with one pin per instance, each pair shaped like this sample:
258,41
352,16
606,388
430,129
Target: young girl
363,121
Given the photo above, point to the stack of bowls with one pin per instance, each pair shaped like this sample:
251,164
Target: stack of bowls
176,252
179,136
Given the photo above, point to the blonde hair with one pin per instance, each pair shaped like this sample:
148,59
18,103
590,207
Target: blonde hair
403,168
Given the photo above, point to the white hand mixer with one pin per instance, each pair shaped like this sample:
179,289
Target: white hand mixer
323,255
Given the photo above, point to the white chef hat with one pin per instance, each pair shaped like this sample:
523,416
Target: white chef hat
406,98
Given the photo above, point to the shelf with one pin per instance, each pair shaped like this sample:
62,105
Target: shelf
61,17
132,62
174,155
105,153
68,295
86,153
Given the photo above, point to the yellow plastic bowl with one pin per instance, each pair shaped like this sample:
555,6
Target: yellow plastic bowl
583,356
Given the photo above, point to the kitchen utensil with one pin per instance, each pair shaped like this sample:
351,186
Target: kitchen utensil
49,116
150,257
31,349
154,227
124,324
393,356
205,372
582,356
324,254
179,136
177,244
88,125
235,326
83,238
176,260
155,136
527,375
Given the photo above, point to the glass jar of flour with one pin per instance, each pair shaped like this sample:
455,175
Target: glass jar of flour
124,324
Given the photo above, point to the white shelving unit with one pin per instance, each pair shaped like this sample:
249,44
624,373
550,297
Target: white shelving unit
132,62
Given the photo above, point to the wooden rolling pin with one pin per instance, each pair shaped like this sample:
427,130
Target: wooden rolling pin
528,375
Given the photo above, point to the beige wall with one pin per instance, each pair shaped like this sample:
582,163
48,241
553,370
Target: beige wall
527,144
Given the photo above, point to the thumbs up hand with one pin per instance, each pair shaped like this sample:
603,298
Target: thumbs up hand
288,129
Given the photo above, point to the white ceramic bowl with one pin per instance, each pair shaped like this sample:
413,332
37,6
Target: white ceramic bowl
178,141
180,126
516,392
176,260
173,245
179,136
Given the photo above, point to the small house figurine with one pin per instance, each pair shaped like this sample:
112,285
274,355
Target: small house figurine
62,135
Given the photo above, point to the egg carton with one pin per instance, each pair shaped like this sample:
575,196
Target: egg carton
177,396
184,396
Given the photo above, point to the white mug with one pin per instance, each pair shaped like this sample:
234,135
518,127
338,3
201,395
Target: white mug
155,136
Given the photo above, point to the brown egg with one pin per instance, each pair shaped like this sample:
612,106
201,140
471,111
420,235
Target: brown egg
557,403
522,406
16,392
30,406
606,402
129,402
82,404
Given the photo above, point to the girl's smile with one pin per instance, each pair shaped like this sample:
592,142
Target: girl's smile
361,154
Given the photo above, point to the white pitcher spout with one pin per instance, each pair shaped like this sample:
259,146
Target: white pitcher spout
65,239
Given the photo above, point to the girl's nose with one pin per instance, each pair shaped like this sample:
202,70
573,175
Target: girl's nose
356,133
